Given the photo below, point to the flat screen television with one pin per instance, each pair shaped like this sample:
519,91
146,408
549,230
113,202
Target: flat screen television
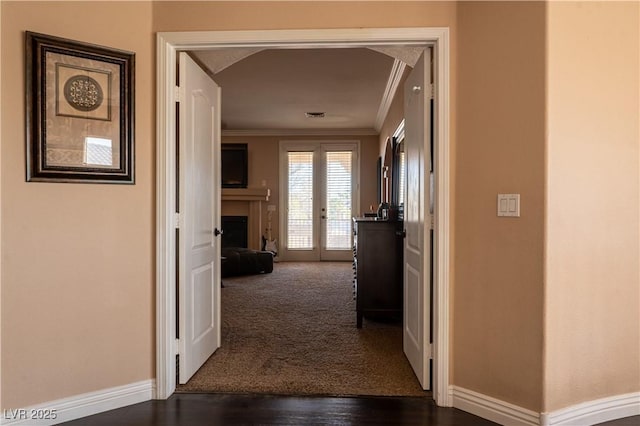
235,164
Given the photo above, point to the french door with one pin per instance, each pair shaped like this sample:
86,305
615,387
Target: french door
319,196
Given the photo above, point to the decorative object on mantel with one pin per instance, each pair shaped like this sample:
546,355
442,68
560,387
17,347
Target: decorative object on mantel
80,111
268,243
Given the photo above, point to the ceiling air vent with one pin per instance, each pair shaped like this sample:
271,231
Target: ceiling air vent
314,114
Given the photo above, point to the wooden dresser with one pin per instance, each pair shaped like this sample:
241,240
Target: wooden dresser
377,264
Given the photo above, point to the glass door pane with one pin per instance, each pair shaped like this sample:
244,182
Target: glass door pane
402,179
300,201
338,200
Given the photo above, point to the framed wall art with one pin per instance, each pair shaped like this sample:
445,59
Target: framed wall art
79,110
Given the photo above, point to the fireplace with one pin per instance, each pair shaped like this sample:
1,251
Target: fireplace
235,231
246,202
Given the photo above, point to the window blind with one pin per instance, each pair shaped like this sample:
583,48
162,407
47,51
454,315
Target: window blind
300,202
402,181
339,200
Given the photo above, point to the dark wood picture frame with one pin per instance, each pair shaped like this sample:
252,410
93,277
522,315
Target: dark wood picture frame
379,180
79,111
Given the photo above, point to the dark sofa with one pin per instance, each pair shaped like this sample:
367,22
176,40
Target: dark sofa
242,261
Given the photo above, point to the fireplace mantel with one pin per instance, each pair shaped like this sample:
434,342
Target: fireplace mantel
245,194
254,197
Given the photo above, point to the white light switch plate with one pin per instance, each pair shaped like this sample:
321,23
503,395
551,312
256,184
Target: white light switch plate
509,205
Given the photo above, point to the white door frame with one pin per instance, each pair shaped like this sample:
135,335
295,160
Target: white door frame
168,43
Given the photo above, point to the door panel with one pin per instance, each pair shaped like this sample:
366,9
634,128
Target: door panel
203,312
417,249
199,205
412,325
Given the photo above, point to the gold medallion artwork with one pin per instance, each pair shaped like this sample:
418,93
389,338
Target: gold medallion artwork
83,92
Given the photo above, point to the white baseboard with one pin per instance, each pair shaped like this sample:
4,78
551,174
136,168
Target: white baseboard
594,412
493,409
78,406
583,414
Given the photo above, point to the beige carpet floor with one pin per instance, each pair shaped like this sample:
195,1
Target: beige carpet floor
294,332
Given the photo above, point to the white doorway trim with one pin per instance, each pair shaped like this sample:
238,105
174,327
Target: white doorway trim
168,43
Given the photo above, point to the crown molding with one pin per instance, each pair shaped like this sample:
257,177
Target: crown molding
397,69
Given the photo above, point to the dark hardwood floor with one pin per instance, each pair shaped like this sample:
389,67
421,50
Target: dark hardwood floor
627,421
234,409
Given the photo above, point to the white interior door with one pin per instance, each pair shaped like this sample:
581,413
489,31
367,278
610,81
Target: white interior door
199,205
417,304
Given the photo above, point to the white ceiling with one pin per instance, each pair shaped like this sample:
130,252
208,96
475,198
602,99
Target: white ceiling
272,89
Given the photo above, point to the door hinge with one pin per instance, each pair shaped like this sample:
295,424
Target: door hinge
177,355
431,222
432,91
177,220
178,93
429,354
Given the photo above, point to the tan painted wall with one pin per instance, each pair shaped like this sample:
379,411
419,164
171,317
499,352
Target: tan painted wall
77,297
264,165
592,326
498,290
77,265
230,15
77,259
